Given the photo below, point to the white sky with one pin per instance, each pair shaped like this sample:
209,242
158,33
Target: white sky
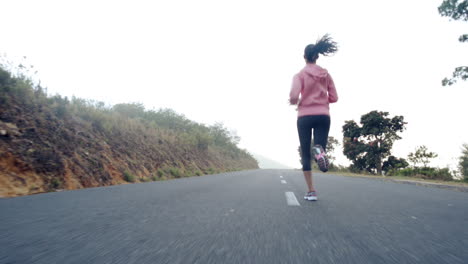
233,62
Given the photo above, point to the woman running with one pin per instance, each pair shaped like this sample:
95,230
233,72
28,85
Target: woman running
313,90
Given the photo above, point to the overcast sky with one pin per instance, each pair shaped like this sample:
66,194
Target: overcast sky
233,62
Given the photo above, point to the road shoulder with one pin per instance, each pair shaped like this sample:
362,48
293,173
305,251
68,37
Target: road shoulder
449,186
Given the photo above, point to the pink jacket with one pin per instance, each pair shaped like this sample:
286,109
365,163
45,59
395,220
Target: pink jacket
316,88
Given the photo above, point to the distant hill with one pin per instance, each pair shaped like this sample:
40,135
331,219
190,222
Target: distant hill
266,163
50,143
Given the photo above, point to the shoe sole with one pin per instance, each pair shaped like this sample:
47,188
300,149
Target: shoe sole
310,198
323,164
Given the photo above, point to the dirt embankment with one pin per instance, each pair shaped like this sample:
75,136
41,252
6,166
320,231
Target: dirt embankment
43,149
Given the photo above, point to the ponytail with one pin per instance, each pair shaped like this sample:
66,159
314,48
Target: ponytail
325,46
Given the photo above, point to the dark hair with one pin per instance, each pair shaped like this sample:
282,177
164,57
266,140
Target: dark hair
325,46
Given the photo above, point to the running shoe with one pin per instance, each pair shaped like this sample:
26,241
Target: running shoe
311,196
321,158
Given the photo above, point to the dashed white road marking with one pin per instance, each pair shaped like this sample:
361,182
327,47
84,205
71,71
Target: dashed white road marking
283,181
414,217
291,199
281,177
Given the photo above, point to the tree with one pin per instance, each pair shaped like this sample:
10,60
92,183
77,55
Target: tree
393,163
222,136
421,155
456,10
369,144
332,144
463,162
132,110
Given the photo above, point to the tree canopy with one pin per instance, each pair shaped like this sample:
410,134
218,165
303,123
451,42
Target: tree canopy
463,162
456,10
367,145
421,155
393,163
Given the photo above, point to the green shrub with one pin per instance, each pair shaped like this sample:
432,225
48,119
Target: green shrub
23,91
132,110
426,173
211,170
145,179
175,172
128,177
160,172
203,140
463,162
55,183
33,188
443,174
404,172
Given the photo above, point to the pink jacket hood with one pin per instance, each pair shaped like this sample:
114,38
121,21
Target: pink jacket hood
316,71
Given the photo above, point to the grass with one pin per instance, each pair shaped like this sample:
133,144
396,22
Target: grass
175,172
160,173
211,170
33,188
128,177
145,179
402,178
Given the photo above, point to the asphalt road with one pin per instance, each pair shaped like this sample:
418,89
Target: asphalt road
241,217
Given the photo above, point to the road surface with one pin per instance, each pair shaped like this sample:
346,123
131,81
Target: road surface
254,216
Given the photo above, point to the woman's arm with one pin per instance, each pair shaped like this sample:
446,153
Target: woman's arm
332,95
295,90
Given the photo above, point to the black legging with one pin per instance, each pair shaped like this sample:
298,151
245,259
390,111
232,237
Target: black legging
321,126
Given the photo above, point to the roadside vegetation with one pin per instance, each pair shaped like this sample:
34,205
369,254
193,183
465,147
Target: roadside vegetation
368,146
50,142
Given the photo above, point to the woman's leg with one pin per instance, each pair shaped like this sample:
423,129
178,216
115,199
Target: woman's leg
304,128
321,129
309,181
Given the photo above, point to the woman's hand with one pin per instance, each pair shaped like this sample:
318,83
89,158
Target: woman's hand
293,101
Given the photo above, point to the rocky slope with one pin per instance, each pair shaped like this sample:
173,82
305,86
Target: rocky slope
51,143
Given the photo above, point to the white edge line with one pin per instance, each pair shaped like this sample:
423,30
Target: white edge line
291,199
